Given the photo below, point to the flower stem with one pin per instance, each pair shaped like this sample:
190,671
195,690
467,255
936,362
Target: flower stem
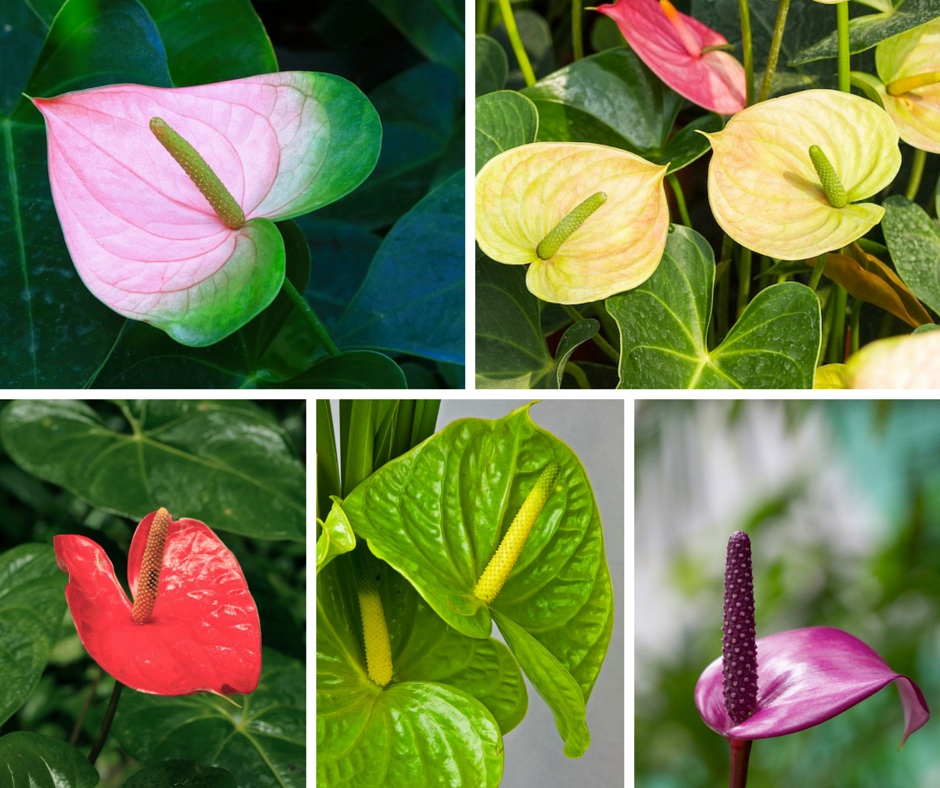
747,46
577,40
680,199
744,279
307,311
740,754
80,720
842,31
837,339
505,8
818,268
578,374
774,53
917,172
106,723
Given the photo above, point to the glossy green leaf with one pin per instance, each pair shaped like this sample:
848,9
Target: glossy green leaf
608,99
664,323
870,29
510,349
412,300
492,67
336,535
576,335
181,774
32,603
913,239
34,761
262,740
504,119
240,473
687,144
429,726
437,514
353,369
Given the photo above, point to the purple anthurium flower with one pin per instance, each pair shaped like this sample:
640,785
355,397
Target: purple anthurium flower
167,196
803,676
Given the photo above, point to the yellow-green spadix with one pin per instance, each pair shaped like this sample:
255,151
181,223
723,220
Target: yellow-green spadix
617,199
765,191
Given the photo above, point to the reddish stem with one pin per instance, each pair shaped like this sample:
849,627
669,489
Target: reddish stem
740,754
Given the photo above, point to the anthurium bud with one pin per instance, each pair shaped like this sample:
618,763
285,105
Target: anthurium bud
738,644
148,581
504,559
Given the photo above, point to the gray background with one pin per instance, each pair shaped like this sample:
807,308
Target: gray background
534,751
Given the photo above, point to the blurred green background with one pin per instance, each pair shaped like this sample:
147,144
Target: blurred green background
842,503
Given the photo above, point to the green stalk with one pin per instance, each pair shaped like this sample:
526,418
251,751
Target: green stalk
577,42
483,16
680,199
105,728
856,323
578,374
917,172
837,339
744,279
774,53
818,270
505,8
307,311
747,47
842,30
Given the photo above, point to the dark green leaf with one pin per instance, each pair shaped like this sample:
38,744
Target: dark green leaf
871,29
32,603
33,761
354,369
434,27
225,463
510,349
913,239
492,65
687,144
664,322
262,740
504,119
412,300
609,99
181,774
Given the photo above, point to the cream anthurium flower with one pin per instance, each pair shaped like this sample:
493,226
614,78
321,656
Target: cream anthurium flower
770,194
909,67
904,362
589,220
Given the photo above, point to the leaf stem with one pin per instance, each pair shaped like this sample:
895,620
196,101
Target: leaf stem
836,351
740,755
744,279
106,723
307,311
80,719
577,39
818,268
842,31
774,53
747,47
505,8
578,374
680,199
917,172
606,348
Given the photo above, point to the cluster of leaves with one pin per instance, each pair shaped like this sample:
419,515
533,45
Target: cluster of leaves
384,275
422,514
95,469
705,318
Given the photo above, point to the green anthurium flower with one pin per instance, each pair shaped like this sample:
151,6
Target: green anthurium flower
589,220
904,362
909,67
786,173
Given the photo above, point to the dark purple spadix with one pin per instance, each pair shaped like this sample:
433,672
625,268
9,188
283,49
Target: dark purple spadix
738,643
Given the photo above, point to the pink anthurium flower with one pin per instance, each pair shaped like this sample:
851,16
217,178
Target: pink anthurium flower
167,196
790,681
193,626
685,54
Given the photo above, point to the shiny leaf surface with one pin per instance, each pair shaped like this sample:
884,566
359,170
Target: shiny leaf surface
34,761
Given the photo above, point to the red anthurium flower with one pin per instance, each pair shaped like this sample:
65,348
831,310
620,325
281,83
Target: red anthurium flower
167,196
193,626
805,677
680,51
788,682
